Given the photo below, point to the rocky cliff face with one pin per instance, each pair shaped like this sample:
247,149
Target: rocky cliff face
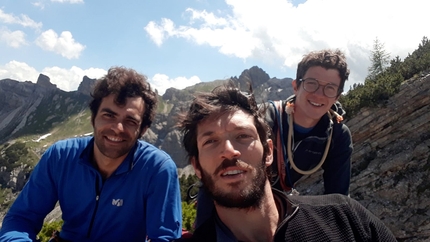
29,108
86,85
391,161
17,101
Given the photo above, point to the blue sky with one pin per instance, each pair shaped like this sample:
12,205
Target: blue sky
177,43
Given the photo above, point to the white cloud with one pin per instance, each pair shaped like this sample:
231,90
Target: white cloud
162,82
157,32
68,1
64,44
69,79
40,5
22,20
13,39
276,31
19,71
65,79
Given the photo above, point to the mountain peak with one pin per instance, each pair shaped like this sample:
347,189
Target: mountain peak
44,81
86,85
254,75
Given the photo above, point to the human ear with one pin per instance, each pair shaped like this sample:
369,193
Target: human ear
196,167
294,83
269,156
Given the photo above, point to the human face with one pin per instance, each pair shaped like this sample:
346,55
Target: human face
230,162
310,107
117,128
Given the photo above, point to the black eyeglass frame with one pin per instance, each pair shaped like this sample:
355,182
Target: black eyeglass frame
319,85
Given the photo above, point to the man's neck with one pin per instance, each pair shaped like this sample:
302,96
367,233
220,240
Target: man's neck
105,165
301,119
257,224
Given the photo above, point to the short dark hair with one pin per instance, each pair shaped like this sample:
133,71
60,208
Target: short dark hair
124,83
224,98
327,58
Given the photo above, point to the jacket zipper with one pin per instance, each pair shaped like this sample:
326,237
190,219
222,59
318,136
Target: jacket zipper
288,218
95,209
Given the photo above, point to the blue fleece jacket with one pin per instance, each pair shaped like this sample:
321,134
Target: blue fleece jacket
140,200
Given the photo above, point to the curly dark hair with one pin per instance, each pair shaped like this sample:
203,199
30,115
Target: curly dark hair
327,58
222,99
124,83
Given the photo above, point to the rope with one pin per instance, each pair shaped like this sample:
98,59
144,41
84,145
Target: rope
280,147
290,152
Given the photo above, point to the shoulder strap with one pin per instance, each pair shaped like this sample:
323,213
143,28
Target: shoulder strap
280,147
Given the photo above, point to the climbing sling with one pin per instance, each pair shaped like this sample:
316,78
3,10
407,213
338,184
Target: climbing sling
283,151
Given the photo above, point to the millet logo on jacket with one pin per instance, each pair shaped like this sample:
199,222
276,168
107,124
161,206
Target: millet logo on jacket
117,202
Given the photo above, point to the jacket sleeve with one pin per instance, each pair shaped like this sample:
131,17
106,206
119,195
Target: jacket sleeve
337,167
38,197
164,212
373,229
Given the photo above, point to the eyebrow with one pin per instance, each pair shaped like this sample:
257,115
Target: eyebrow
108,110
237,128
328,83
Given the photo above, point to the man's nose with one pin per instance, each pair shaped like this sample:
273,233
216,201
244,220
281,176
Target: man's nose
229,151
117,127
320,90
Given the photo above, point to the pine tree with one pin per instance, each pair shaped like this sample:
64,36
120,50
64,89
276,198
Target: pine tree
379,58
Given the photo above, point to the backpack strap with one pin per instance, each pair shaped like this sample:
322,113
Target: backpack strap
280,147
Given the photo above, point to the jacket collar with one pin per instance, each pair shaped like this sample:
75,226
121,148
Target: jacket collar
86,158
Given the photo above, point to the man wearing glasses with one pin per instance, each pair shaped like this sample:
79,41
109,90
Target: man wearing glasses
313,135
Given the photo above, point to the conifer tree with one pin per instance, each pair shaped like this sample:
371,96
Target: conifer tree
379,58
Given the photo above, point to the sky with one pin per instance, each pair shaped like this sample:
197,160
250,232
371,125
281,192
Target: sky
178,43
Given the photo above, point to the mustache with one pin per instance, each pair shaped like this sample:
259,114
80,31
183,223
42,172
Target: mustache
226,163
121,135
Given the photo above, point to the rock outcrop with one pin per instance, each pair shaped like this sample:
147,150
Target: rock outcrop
86,85
45,81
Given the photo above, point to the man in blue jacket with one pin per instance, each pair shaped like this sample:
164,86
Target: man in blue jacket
110,187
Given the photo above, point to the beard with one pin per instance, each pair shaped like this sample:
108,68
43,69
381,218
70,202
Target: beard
248,198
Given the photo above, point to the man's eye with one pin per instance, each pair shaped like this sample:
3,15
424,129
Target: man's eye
209,141
132,123
244,136
108,115
331,88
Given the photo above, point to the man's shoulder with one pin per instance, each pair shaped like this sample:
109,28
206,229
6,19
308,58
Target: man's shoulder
145,147
327,205
320,200
72,143
150,152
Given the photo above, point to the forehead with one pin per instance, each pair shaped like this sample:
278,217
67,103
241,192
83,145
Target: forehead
323,74
134,105
226,122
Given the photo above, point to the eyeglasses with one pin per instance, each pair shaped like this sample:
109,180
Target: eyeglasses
311,85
